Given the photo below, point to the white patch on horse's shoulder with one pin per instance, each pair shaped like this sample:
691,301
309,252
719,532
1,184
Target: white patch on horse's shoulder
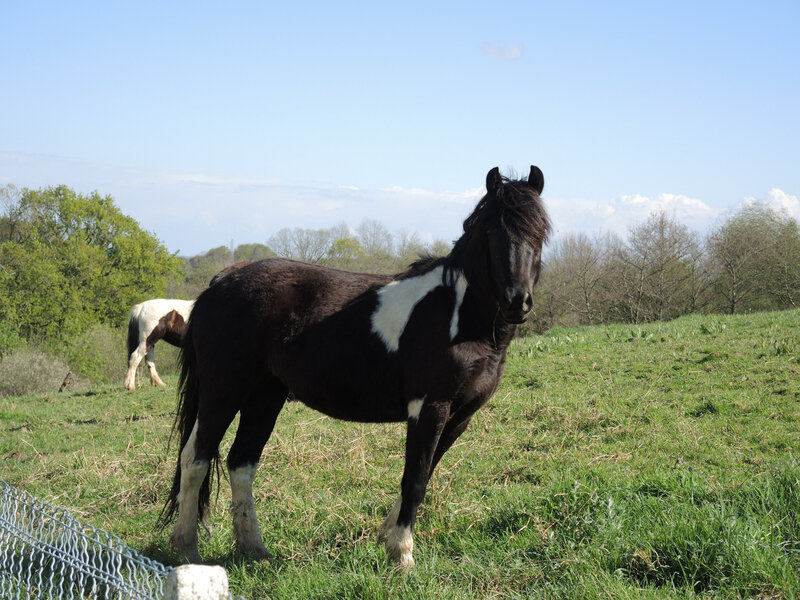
414,407
460,288
396,302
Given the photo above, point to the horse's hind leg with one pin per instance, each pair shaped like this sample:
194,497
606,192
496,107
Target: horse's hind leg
256,421
196,457
133,363
151,364
193,472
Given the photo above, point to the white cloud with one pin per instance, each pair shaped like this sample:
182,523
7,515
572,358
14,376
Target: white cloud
619,214
781,201
777,200
497,52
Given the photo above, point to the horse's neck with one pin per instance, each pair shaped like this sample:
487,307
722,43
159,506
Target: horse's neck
480,311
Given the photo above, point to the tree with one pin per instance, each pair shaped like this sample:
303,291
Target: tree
70,260
576,266
783,281
344,253
738,252
663,255
252,252
410,247
375,238
307,245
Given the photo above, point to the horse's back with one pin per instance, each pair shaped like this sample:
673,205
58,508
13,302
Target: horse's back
158,307
273,287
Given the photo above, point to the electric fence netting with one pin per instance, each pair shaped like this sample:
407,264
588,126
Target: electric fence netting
46,554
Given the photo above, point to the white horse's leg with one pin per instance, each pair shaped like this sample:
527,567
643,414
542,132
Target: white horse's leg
193,472
133,363
246,532
397,538
151,364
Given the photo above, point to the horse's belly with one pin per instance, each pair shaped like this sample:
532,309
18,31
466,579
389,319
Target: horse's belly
351,406
362,415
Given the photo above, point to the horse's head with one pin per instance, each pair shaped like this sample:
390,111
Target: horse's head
516,227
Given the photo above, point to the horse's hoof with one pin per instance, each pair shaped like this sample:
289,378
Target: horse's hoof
399,546
192,558
402,562
255,554
406,562
188,549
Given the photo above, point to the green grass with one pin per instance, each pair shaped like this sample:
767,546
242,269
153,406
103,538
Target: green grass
657,461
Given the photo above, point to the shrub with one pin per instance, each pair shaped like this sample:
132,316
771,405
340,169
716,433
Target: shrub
32,371
98,354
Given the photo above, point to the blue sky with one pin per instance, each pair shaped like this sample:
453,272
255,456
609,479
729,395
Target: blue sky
214,123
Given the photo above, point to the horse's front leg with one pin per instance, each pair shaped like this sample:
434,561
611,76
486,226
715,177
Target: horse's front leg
425,423
151,365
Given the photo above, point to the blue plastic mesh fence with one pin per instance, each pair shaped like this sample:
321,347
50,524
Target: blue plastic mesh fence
47,554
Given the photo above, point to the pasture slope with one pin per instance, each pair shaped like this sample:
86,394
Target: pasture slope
657,461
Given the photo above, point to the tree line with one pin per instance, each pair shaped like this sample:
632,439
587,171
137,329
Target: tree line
369,248
662,269
69,262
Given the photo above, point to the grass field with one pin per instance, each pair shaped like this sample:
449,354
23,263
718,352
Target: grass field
658,461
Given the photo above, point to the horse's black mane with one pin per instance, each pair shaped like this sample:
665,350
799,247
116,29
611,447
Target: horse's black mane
425,263
522,214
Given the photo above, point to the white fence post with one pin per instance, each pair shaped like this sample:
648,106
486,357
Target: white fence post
196,582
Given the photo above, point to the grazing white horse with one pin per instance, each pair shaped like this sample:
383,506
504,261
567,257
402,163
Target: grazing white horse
151,321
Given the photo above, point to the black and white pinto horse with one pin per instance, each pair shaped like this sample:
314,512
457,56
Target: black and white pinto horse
426,346
149,322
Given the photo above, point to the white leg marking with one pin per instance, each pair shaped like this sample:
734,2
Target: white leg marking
193,472
133,364
400,546
414,407
151,364
391,519
245,522
460,289
396,301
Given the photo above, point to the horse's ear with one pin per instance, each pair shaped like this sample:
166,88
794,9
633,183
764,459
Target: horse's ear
536,179
494,182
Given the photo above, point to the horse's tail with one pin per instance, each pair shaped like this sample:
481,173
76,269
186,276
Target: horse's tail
185,418
133,331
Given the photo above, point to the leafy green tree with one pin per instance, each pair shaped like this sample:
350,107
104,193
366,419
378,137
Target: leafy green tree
252,252
69,260
344,253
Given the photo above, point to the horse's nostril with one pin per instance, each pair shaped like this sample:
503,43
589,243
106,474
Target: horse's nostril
518,301
527,302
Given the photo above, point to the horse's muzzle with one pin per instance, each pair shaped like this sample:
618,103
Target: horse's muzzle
515,306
